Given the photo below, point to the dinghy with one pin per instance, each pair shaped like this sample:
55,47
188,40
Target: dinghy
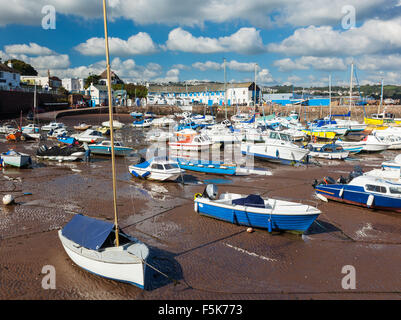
327,151
53,126
82,127
15,159
254,211
89,136
104,148
116,124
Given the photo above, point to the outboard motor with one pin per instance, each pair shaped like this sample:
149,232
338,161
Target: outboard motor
329,180
210,192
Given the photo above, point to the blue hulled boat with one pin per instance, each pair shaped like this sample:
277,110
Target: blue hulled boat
213,167
254,211
361,190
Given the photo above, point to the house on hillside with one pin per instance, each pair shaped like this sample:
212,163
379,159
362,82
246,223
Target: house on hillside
98,94
114,78
9,77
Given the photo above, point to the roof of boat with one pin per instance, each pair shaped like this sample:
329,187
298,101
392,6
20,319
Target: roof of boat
88,232
364,180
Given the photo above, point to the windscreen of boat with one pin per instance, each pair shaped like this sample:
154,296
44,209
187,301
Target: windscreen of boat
169,166
395,190
375,188
252,200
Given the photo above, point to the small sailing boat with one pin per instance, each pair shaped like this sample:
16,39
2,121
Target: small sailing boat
99,246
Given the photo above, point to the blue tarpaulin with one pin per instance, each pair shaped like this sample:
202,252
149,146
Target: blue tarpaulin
88,232
252,200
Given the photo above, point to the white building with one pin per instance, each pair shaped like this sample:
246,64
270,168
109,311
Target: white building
9,78
73,85
207,93
99,94
45,82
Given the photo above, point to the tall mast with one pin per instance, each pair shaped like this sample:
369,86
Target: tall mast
330,94
113,164
225,88
254,92
350,90
381,97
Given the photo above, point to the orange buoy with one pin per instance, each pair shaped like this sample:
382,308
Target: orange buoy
249,230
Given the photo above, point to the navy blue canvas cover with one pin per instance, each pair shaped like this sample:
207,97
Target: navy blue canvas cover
88,232
252,200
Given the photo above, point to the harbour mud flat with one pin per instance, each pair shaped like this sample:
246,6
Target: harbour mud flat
204,258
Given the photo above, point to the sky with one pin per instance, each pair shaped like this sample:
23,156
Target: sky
289,42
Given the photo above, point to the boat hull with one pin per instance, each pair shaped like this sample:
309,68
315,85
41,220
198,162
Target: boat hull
107,151
16,161
144,173
281,222
133,273
356,196
276,153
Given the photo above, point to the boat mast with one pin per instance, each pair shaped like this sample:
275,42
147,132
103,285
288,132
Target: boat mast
350,90
254,91
381,97
113,164
330,94
225,87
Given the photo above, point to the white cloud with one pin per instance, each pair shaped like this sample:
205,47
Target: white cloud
379,62
245,41
373,36
259,13
307,62
208,65
140,43
171,76
264,76
29,49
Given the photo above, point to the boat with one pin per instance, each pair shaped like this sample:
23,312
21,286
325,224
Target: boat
159,169
15,136
218,168
64,139
104,148
53,126
163,122
15,159
144,123
136,115
278,147
369,144
327,151
361,190
159,136
6,129
320,133
190,140
55,133
328,125
90,243
98,246
116,124
89,136
392,164
394,142
82,127
254,211
56,153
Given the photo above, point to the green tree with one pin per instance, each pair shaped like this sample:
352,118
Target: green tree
132,90
62,91
93,78
25,69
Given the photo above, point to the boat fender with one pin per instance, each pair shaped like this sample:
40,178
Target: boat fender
341,193
321,197
371,198
269,225
197,195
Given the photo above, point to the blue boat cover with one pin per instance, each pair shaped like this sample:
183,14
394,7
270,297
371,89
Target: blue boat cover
144,164
252,200
88,232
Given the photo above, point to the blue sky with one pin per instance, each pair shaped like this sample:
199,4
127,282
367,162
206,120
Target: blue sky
292,41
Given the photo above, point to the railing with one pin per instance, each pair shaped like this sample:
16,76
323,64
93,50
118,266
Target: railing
25,89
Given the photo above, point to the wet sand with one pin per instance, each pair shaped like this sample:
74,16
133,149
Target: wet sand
210,259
